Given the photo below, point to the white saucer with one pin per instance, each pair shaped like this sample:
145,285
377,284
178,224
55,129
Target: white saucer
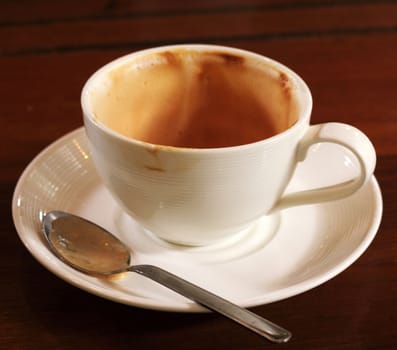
281,256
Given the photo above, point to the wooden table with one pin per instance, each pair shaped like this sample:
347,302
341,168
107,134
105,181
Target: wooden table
347,53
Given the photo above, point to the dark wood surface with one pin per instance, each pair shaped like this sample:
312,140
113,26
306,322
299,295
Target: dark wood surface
347,53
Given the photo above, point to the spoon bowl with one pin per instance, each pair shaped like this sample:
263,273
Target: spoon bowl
93,250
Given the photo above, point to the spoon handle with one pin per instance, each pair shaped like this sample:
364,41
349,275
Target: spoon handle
246,318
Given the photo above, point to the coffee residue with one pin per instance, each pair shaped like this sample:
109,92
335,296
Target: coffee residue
154,168
232,59
171,58
196,99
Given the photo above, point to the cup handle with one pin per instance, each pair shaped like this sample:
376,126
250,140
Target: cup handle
342,134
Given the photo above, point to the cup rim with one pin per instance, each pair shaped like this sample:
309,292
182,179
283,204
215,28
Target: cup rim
304,92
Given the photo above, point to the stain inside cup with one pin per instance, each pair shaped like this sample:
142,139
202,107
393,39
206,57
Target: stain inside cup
198,99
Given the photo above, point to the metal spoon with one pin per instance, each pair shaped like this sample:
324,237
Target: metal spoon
91,249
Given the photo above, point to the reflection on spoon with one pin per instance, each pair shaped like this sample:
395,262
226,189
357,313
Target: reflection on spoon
91,249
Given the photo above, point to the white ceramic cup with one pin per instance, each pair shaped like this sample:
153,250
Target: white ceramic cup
197,196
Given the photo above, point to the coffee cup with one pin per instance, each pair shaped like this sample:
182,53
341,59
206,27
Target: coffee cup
198,142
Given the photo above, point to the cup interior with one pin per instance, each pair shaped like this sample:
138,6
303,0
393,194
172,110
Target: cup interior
196,96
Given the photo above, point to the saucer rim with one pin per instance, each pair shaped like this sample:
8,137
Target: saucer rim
50,263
